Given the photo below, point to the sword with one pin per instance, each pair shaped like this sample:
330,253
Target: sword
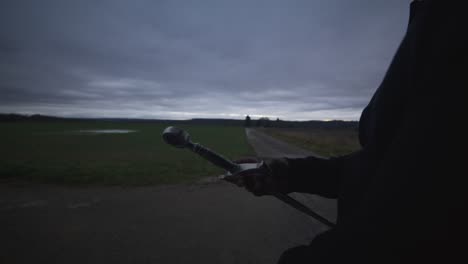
181,139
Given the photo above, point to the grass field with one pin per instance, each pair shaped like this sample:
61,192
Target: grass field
55,152
325,142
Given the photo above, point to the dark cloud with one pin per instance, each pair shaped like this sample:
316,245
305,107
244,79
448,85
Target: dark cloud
184,59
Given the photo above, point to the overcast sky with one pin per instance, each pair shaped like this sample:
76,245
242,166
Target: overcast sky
296,60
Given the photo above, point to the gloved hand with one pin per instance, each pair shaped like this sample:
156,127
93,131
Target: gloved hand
271,177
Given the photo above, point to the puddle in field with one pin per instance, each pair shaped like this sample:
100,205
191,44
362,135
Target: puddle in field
106,131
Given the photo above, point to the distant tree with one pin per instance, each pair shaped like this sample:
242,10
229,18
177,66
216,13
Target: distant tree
277,123
263,122
259,122
266,122
247,122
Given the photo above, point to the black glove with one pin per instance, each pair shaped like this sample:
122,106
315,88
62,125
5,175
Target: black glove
271,177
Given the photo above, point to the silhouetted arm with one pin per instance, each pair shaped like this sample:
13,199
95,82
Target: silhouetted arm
315,175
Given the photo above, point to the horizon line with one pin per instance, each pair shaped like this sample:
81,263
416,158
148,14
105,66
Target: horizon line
163,119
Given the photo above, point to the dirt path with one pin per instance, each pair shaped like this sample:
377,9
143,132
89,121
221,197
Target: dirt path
266,146
210,222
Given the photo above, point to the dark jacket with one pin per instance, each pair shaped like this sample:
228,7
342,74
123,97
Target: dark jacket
402,197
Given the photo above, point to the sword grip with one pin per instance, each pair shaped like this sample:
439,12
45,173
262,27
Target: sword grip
214,157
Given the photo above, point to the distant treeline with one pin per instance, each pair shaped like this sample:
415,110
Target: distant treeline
261,122
18,118
266,122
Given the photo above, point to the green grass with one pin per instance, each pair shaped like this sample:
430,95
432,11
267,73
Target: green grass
324,142
52,152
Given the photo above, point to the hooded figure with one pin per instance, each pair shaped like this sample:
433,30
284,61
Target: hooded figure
402,197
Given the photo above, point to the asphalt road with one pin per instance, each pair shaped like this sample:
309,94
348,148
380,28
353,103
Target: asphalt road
206,222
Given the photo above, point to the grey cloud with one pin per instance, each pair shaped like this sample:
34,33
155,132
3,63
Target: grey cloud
184,59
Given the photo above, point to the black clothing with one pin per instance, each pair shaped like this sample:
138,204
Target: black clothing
402,197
